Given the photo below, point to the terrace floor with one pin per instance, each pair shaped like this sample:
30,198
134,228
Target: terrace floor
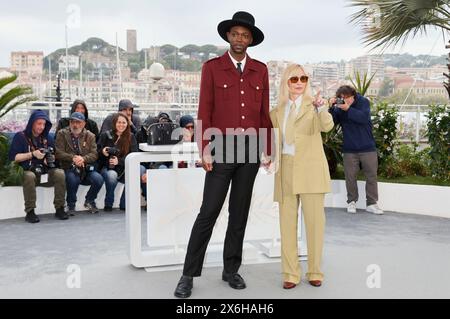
412,252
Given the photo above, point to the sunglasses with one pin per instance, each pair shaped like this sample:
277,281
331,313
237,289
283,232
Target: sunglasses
189,127
295,79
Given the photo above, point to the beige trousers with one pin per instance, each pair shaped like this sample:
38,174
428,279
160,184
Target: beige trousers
314,217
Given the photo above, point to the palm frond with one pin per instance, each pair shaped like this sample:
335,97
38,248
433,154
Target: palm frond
17,103
361,85
7,80
399,20
12,94
15,96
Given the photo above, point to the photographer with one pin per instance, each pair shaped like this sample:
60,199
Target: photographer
76,150
113,147
33,150
126,108
352,111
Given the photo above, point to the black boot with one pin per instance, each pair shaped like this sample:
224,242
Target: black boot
184,287
31,217
61,214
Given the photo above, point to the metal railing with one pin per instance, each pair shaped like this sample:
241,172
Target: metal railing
411,117
97,111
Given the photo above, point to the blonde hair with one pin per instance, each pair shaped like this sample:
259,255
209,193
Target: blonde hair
290,71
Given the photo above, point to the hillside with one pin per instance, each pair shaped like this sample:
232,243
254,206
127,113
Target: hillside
188,58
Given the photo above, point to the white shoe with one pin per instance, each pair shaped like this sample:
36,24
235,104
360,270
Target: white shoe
351,209
374,209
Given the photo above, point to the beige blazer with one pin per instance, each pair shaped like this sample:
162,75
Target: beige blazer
311,173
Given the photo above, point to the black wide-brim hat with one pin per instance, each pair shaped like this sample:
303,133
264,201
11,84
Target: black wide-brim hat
244,19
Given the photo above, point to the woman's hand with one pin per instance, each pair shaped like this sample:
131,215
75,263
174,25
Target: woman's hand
318,100
114,161
105,152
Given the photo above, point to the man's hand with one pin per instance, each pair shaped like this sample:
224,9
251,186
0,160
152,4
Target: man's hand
38,154
344,107
78,161
348,101
266,164
207,163
266,161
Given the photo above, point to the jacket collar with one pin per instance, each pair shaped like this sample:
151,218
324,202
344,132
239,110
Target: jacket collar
81,137
227,64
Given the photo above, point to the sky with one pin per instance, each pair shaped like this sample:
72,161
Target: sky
302,31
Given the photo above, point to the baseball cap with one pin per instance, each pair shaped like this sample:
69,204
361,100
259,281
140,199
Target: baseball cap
77,116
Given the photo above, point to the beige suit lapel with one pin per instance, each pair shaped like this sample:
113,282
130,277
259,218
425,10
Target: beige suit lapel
304,108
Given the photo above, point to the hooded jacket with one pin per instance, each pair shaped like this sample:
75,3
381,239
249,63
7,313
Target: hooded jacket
91,125
24,142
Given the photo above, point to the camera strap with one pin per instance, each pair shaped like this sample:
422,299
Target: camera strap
33,147
75,144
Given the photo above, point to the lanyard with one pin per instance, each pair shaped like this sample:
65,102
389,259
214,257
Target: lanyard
33,147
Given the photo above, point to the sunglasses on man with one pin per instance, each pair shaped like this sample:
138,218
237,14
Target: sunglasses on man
295,79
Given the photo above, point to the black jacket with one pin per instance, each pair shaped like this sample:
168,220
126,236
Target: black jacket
107,139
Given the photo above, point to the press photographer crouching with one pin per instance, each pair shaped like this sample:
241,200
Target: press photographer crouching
33,149
113,147
352,111
77,152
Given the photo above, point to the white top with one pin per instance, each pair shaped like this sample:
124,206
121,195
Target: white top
235,62
289,149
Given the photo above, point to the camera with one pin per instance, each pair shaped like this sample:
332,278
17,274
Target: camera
38,169
112,151
339,101
49,156
82,171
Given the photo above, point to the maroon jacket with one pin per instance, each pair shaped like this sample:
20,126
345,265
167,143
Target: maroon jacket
229,100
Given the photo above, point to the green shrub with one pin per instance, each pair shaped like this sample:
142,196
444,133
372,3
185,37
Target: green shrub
11,174
438,134
407,161
384,120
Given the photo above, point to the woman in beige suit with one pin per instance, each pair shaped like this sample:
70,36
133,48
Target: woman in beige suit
302,173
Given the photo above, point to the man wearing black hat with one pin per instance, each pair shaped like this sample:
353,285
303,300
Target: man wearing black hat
127,108
234,103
